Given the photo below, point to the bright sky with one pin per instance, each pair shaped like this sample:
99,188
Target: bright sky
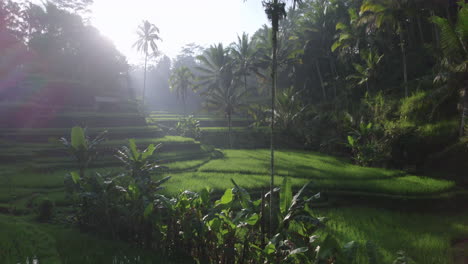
180,22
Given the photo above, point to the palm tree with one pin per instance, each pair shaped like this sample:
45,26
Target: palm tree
290,109
181,80
390,13
366,73
226,98
244,56
275,11
215,67
453,42
148,34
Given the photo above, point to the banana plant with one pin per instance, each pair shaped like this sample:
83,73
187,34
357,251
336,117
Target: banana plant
82,147
293,241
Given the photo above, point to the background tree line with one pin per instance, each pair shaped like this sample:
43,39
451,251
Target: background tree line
372,79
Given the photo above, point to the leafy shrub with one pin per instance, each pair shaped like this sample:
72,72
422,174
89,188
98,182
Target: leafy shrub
416,108
188,127
367,146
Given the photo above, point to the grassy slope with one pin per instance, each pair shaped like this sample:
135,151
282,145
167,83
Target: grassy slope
391,230
250,168
23,239
426,238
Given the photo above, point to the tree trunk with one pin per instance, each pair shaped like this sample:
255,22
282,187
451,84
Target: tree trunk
436,32
275,25
229,130
333,71
245,82
185,107
421,33
464,111
403,54
144,80
319,73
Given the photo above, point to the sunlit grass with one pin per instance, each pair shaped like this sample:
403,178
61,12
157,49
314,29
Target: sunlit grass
426,238
22,239
250,168
325,172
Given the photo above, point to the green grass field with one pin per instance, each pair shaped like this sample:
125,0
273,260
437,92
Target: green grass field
250,168
426,237
22,240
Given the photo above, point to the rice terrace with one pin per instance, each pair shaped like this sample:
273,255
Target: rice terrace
275,131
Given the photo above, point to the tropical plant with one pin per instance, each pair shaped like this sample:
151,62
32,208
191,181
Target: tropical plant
243,54
227,99
82,147
366,145
188,127
148,34
348,37
181,80
390,15
454,64
216,68
275,11
367,73
290,110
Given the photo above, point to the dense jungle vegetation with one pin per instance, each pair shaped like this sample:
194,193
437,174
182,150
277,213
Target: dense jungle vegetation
337,133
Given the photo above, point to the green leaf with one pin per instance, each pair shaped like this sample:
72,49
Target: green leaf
351,141
148,210
244,196
133,149
298,251
133,190
285,195
214,224
252,220
227,197
148,152
269,249
78,139
75,176
335,45
340,26
344,36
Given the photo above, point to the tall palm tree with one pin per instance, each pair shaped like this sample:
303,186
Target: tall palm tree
392,14
244,56
453,42
227,99
215,70
148,34
275,11
181,80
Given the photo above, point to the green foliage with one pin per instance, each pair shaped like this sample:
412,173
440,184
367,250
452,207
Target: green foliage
416,108
188,127
181,80
21,241
366,145
82,147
